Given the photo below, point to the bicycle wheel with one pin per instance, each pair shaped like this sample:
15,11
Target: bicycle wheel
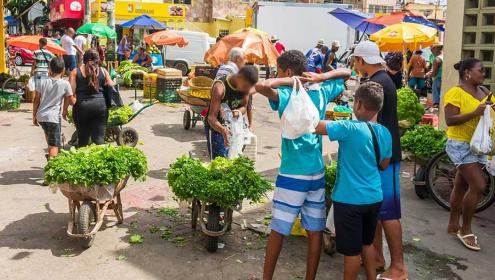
440,175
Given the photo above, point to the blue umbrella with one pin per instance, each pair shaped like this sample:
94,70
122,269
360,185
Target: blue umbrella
423,21
356,21
144,21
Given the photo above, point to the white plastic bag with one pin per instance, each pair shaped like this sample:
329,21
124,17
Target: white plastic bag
236,136
136,106
481,143
301,115
31,84
490,166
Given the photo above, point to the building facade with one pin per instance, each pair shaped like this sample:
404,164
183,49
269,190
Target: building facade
474,22
433,12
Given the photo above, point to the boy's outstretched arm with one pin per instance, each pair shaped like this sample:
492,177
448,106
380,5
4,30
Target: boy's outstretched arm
268,87
334,74
321,128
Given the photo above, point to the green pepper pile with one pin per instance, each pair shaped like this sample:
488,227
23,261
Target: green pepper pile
409,109
96,165
423,141
224,182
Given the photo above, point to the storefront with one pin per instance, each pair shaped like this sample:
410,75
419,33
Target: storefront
66,13
174,16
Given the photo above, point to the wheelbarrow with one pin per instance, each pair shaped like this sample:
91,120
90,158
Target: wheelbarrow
213,219
87,208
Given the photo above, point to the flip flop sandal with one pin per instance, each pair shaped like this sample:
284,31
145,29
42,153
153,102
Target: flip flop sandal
461,238
379,277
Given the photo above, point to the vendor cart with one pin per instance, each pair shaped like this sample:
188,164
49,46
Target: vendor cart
91,204
197,96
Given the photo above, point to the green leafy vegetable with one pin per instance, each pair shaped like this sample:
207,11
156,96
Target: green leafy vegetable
167,211
121,115
136,239
96,165
127,68
409,108
223,181
330,177
424,141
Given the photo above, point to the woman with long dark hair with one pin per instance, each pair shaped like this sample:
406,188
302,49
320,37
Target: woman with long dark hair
464,104
90,111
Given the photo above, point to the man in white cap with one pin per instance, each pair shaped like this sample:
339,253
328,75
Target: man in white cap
276,43
368,62
330,61
315,57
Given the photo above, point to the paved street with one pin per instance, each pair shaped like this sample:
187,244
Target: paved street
33,221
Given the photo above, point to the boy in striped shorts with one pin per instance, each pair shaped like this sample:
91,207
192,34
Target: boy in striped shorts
300,186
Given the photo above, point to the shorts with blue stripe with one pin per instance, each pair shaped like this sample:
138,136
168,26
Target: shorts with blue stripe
299,194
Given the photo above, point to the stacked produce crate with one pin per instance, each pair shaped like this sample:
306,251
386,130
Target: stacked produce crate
149,87
168,82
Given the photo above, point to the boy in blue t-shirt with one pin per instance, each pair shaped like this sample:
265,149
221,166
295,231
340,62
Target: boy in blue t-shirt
300,186
357,196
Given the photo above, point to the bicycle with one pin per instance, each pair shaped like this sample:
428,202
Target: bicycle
439,177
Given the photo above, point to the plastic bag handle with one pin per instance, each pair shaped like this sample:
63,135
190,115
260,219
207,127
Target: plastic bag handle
296,82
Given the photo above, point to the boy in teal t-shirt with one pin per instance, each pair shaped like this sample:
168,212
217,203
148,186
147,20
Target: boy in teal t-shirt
357,195
300,186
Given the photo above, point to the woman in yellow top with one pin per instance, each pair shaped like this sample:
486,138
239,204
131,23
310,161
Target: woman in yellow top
464,104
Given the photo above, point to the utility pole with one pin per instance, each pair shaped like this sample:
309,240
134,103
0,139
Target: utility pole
87,11
111,14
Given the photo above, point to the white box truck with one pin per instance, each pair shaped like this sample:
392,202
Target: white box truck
300,25
192,54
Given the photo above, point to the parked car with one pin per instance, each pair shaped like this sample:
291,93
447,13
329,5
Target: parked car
192,54
21,56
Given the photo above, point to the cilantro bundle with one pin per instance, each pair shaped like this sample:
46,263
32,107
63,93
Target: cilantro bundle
423,141
96,165
225,182
330,177
409,108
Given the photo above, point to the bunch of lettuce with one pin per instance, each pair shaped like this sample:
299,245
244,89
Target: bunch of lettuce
224,181
122,114
96,165
409,109
330,177
126,69
423,141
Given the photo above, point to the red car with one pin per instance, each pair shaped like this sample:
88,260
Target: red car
21,56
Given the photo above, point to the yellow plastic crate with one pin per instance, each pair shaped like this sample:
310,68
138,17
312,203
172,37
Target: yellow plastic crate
150,78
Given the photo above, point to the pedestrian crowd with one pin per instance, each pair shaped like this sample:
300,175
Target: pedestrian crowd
366,196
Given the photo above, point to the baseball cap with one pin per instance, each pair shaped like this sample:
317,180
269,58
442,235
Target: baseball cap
321,42
369,51
335,43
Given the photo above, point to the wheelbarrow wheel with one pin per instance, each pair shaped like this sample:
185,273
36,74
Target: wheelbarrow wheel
213,225
186,119
420,183
128,136
85,222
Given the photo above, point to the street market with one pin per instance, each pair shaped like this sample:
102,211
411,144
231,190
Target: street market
356,142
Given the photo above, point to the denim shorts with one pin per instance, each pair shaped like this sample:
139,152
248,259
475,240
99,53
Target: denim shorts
460,153
52,133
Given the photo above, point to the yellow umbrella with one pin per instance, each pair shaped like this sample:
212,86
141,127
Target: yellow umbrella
405,35
250,29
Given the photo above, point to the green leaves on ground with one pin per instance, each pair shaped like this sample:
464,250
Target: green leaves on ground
224,182
167,211
96,165
424,141
136,239
409,108
330,177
